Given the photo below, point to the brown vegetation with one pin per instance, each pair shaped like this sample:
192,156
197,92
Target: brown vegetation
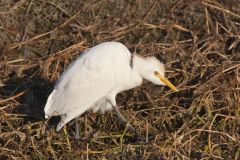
198,40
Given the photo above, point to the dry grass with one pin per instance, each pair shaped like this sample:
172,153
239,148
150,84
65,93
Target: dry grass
198,40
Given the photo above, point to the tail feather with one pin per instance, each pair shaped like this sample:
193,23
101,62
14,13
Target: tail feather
69,116
48,106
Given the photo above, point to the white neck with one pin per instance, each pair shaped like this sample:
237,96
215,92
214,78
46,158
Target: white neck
138,65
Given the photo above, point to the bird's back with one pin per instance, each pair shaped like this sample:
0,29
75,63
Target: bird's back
88,79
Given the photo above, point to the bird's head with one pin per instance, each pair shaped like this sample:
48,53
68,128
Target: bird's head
153,70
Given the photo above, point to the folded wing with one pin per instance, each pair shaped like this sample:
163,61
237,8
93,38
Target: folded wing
87,80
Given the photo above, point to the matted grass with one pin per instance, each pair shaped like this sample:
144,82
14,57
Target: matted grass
199,42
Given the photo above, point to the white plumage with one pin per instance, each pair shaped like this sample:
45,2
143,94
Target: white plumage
94,79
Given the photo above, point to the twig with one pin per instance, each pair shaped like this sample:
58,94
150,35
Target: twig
31,40
56,6
66,134
16,6
13,97
221,9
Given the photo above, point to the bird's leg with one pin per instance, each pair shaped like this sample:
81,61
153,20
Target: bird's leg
122,118
119,114
77,136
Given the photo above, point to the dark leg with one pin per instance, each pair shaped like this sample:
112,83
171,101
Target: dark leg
77,136
122,118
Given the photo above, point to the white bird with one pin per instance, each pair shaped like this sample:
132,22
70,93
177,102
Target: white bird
94,79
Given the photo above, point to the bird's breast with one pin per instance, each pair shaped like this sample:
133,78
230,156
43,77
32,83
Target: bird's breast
131,83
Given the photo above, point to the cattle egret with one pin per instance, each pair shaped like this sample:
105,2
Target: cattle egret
94,79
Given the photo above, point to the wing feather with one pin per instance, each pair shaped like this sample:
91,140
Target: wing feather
86,81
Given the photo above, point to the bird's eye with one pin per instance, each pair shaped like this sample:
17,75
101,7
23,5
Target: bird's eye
156,72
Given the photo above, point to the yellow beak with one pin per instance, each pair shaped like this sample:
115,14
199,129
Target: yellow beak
166,81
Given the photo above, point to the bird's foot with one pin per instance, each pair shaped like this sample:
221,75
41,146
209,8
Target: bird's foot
130,127
76,135
123,120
